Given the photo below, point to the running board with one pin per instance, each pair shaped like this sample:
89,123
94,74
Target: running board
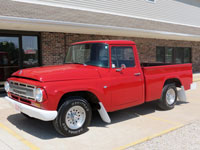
181,95
103,113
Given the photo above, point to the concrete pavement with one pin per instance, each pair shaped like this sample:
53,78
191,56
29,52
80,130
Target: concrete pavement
184,138
128,127
196,77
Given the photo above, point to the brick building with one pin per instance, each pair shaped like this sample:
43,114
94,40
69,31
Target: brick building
38,32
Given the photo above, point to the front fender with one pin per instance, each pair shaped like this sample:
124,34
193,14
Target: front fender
55,91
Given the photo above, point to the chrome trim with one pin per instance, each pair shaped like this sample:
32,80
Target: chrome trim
20,83
75,117
25,87
37,113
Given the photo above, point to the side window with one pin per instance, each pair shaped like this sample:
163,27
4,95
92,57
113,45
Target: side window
122,55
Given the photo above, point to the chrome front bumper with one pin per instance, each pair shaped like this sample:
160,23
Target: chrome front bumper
37,113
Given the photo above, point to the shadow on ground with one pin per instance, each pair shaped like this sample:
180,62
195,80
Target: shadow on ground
45,130
37,128
125,114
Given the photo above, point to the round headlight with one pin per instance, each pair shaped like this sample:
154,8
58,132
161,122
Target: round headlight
38,95
6,86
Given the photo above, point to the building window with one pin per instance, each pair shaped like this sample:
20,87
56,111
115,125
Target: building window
30,51
176,55
18,51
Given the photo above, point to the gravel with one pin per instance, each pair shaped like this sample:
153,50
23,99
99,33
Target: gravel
185,138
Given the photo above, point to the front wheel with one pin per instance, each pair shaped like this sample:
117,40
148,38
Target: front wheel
74,117
168,98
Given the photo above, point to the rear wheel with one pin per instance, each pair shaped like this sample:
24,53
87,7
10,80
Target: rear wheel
168,98
74,116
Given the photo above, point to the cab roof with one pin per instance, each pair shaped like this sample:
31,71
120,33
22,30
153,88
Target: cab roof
111,42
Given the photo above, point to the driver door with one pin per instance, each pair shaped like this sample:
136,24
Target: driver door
127,83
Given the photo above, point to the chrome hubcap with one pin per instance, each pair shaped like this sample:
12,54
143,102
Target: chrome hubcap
170,96
75,117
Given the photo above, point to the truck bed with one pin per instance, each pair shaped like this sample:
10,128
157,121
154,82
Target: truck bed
156,74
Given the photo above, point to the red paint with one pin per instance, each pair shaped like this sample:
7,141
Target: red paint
124,89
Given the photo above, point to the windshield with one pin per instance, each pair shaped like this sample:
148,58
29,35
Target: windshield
95,54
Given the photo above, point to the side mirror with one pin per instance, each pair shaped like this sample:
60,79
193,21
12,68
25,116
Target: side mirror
123,66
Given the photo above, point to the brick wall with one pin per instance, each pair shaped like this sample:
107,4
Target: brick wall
54,45
53,48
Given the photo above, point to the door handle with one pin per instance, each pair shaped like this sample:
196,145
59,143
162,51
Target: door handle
137,74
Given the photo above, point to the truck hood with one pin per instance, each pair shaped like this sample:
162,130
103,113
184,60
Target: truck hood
59,73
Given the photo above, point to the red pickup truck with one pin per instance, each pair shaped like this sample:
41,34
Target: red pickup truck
96,75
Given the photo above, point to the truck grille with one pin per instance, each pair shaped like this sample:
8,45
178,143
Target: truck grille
22,90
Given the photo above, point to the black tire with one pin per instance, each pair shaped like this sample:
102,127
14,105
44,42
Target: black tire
60,124
163,103
26,116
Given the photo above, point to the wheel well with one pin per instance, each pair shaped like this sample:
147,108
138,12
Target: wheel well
90,97
173,80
